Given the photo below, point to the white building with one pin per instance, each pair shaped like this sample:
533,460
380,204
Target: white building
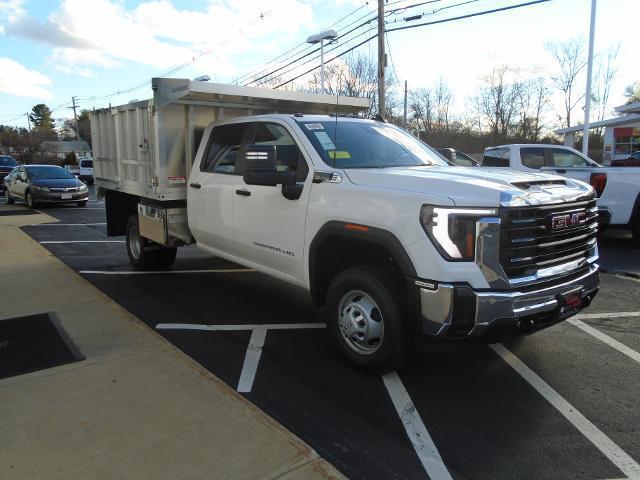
621,134
60,148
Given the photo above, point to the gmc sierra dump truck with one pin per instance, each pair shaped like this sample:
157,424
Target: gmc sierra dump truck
390,240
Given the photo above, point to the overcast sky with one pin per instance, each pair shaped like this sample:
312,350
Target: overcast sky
52,50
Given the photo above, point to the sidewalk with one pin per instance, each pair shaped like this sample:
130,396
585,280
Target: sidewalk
136,407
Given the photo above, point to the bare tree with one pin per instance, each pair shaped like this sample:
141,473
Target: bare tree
533,101
632,92
496,102
605,74
570,58
443,99
421,107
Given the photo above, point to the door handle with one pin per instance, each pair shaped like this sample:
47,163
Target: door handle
561,170
243,192
195,185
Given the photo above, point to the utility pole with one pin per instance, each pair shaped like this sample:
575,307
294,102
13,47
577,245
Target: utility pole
404,116
28,121
75,115
587,104
382,58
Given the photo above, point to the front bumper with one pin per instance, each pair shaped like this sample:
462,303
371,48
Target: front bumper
56,197
458,311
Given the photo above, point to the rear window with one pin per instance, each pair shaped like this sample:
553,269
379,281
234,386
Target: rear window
86,163
496,157
7,161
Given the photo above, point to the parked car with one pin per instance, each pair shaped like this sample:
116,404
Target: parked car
458,158
7,163
44,184
632,160
618,189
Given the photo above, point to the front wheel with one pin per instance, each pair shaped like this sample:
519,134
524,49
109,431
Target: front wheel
8,197
635,228
366,317
139,250
28,198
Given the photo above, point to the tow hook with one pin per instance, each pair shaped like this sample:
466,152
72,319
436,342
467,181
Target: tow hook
525,325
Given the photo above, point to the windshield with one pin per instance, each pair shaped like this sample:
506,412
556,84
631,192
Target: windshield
7,161
49,173
368,144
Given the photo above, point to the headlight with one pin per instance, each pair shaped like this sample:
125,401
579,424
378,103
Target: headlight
83,187
42,189
453,230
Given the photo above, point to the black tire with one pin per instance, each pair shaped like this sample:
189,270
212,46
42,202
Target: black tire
139,250
385,290
82,204
635,229
8,197
28,199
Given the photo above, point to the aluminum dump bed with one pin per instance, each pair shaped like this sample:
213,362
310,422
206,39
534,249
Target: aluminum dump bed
146,148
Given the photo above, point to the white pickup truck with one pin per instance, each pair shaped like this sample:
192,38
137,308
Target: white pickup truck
618,188
388,238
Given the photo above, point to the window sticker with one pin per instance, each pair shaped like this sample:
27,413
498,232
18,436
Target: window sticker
338,154
324,140
314,126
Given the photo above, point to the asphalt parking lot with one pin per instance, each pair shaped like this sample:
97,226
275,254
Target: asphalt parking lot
560,404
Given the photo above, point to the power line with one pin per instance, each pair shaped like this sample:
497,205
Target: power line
461,17
253,72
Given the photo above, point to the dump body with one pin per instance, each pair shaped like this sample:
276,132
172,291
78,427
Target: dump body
146,148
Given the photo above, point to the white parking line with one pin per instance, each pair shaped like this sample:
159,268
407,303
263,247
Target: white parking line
251,360
80,241
226,328
416,431
254,349
622,348
587,316
163,272
64,224
609,449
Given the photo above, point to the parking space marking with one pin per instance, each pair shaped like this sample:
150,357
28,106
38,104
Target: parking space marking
164,272
416,431
251,360
622,348
609,449
226,328
64,224
80,241
254,349
587,316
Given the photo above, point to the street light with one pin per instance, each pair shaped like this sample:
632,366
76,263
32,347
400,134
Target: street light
320,38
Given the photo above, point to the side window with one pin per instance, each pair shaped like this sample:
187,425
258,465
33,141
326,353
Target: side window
289,157
496,157
532,157
223,151
566,158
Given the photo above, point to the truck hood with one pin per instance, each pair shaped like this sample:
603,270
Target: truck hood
473,186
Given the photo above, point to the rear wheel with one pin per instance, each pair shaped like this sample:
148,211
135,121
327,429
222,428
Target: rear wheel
141,252
366,316
8,197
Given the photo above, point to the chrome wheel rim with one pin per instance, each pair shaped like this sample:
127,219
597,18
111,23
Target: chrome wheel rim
134,242
360,322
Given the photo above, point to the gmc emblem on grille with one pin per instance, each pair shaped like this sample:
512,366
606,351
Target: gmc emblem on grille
568,220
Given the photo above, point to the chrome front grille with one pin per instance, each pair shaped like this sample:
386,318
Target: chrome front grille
541,237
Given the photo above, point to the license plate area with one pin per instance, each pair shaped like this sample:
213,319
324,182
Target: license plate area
570,303
66,196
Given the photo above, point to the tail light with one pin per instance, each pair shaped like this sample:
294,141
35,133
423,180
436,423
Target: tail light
598,181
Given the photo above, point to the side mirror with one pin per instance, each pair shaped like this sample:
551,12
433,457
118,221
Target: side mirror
260,167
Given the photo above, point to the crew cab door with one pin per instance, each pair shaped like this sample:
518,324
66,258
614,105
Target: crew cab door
570,164
212,185
269,227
